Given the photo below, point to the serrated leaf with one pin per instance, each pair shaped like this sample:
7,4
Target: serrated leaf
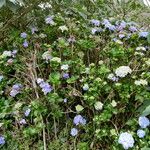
2,3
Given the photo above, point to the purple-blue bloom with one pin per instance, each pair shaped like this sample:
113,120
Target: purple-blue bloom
94,30
141,133
27,112
74,131
65,100
33,30
22,121
122,26
2,140
23,35
65,75
143,34
79,120
144,122
25,44
95,22
46,88
132,29
15,90
121,36
71,39
49,20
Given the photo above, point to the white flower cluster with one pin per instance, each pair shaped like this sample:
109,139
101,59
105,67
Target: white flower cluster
126,140
141,48
141,82
122,71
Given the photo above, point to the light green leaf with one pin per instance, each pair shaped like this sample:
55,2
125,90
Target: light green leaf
146,111
2,3
79,108
145,148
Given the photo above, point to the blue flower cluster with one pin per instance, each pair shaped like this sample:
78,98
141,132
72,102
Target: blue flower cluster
15,90
2,140
24,36
46,88
78,120
127,140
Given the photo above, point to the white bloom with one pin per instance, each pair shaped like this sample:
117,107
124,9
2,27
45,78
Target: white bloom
39,80
63,28
6,54
1,77
47,55
126,140
122,71
45,5
139,53
64,67
119,42
85,87
141,82
113,103
141,48
56,59
98,106
87,70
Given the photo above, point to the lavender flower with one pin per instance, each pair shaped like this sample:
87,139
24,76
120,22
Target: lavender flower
74,132
71,39
23,35
143,34
132,29
22,121
121,36
46,88
2,140
49,20
95,22
33,30
94,30
65,75
15,90
65,100
27,112
121,26
144,122
14,52
79,120
25,44
141,133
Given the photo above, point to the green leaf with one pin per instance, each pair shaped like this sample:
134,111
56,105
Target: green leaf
146,111
79,108
148,38
2,3
55,78
145,148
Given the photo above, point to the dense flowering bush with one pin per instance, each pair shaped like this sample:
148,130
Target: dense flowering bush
70,82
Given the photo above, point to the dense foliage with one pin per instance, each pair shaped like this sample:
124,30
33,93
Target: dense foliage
73,76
